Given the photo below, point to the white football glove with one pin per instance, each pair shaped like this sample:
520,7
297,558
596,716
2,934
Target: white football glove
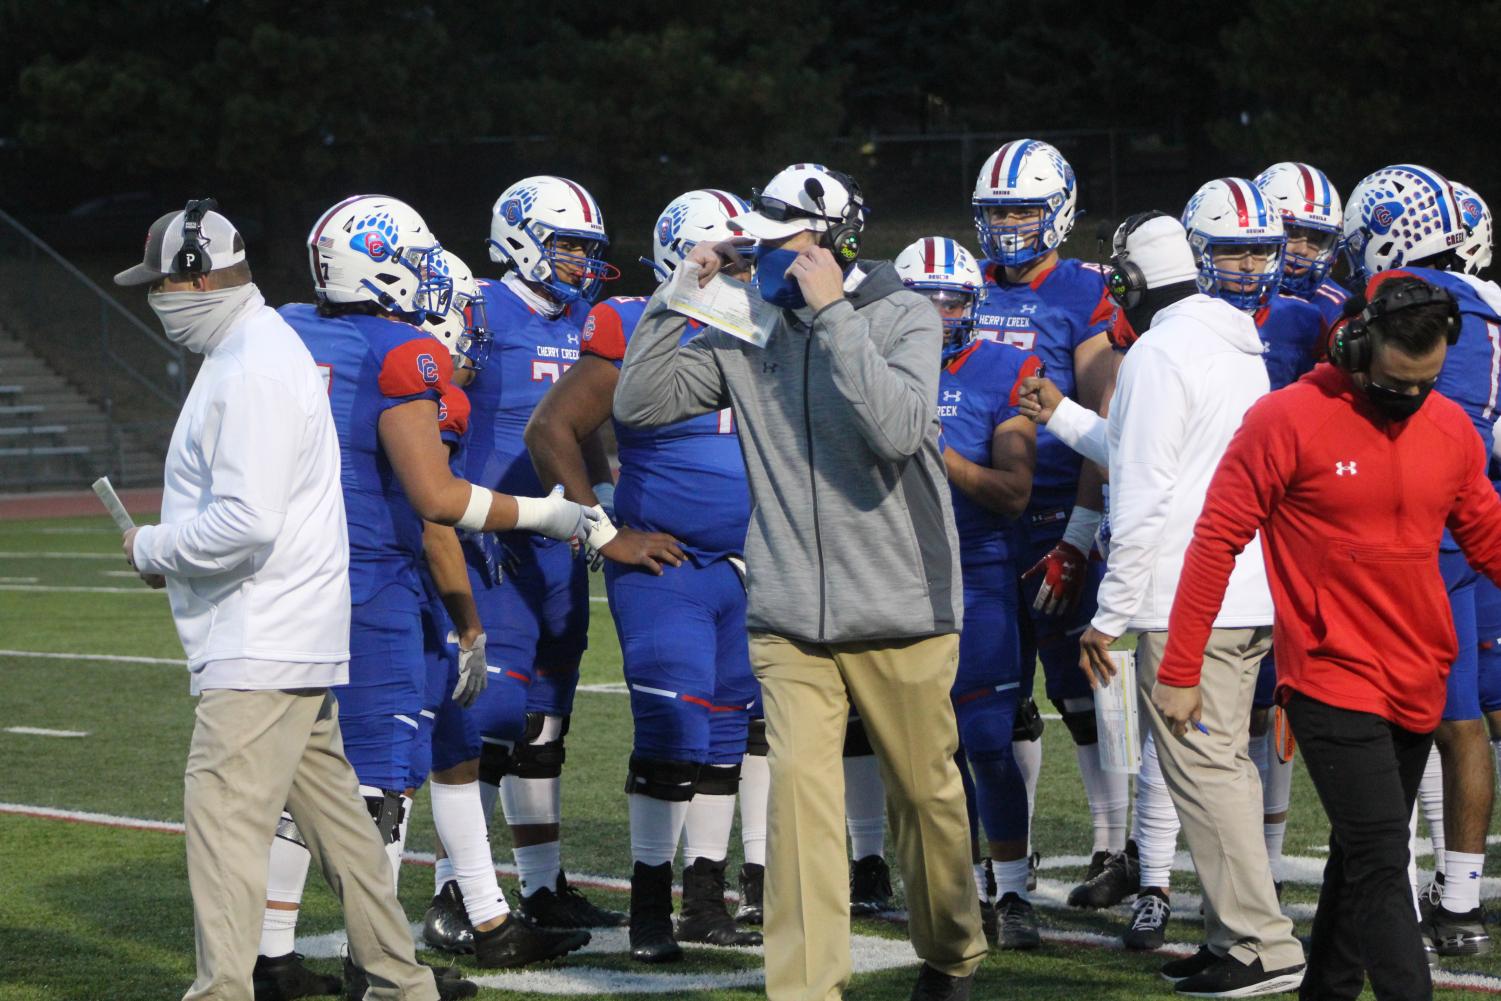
473,677
555,517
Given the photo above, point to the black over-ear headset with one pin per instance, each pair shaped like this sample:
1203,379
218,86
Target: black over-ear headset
1126,283
1352,345
842,238
192,259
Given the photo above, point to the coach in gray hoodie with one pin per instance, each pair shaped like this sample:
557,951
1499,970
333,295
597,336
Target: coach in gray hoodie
853,570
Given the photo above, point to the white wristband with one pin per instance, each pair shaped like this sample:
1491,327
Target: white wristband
603,532
477,511
1083,522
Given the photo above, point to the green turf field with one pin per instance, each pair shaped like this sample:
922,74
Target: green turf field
98,912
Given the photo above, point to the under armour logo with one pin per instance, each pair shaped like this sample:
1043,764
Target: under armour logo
951,395
769,366
1029,308
1342,468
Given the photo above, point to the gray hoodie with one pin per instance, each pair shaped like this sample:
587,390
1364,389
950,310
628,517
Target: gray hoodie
851,533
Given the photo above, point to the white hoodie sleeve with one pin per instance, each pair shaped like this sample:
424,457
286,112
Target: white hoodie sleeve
247,439
1082,430
1148,416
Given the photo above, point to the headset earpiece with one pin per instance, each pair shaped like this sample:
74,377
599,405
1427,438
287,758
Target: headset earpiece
1126,283
192,259
842,238
1353,341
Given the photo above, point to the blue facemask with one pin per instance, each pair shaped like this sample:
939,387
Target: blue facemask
772,281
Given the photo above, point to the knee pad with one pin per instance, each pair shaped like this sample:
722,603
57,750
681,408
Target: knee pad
1081,726
387,810
669,781
541,754
494,762
856,741
1029,723
755,738
286,829
718,780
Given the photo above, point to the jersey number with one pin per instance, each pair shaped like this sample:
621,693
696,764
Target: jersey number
549,371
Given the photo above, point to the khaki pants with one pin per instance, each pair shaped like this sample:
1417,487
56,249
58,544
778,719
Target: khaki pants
1217,792
252,754
901,689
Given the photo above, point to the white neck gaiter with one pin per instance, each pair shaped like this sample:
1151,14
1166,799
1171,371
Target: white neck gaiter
199,320
539,302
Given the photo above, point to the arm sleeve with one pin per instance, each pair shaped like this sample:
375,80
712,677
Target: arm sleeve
1151,407
1082,430
662,382
892,395
1475,518
1250,481
249,439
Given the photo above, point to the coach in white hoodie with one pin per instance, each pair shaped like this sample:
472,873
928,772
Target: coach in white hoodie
253,552
1179,397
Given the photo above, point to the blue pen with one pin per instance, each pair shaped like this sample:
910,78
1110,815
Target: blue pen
1201,728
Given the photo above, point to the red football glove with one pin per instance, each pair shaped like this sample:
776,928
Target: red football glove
1062,571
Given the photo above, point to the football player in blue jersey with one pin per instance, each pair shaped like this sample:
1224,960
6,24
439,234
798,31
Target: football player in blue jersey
1312,219
1025,200
547,233
989,451
378,271
682,629
1406,219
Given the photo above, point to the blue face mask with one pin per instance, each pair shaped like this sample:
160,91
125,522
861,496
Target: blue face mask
772,281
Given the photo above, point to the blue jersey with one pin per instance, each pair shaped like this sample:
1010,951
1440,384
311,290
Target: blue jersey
1329,299
977,392
1471,375
1292,330
372,364
686,479
1050,316
530,351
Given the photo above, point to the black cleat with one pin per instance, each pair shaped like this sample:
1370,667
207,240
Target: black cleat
518,942
1018,923
1230,978
752,885
1149,916
988,922
282,978
933,985
446,924
870,886
651,914
1189,966
1430,896
704,916
1457,934
565,907
1119,878
450,983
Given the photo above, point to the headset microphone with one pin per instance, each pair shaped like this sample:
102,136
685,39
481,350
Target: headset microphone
842,238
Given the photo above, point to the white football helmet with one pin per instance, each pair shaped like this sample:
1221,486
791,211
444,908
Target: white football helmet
947,274
1475,252
370,248
1230,217
689,219
462,329
1311,209
1025,173
1400,215
529,214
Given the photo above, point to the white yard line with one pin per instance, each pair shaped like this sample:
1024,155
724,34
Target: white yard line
9,555
40,588
19,580
35,731
113,657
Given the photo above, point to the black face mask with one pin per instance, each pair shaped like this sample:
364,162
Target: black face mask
1395,406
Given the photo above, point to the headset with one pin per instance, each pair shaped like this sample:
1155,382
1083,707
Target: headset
1125,281
842,238
192,259
1351,347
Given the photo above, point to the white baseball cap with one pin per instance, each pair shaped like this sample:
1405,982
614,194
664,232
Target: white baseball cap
1159,248
788,204
221,243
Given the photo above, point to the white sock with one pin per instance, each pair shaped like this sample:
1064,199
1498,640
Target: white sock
488,794
538,866
442,873
1109,795
460,823
1462,881
286,874
755,787
1028,755
395,848
1277,787
1275,834
1011,877
706,831
1260,750
865,806
1412,860
656,826
1431,797
1156,829
982,882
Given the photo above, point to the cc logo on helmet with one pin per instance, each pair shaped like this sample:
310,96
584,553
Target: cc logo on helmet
666,227
372,245
512,211
1384,215
1470,209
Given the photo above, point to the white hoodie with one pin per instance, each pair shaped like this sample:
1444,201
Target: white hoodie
1179,397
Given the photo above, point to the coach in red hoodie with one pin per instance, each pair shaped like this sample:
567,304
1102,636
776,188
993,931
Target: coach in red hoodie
1350,475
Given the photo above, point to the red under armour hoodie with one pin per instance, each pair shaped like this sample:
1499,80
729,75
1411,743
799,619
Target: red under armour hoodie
1350,509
